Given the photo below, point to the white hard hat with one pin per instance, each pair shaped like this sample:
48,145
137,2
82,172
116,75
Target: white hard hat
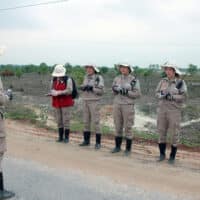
59,71
124,65
93,66
168,64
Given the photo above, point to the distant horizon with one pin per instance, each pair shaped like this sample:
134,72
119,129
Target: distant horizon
73,65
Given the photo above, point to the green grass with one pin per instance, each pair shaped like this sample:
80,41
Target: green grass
76,126
145,135
154,137
106,130
189,143
18,112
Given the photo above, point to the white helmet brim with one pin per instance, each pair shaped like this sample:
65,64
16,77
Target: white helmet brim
93,66
59,71
125,65
173,66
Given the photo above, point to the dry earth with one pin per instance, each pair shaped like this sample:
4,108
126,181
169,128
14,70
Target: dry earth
140,169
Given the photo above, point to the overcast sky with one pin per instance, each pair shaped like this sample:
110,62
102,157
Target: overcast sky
102,32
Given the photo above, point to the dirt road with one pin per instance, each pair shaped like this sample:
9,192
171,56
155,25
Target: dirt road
140,169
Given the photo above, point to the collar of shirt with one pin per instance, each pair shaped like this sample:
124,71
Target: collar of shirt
170,81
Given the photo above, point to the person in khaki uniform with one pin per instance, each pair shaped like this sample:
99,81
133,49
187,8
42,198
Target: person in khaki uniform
62,101
92,90
171,93
126,89
4,194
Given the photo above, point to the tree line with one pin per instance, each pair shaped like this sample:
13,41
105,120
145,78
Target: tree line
77,71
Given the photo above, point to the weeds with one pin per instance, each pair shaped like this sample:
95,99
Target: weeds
19,112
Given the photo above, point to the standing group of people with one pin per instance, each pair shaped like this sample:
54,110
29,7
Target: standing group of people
125,88
62,100
171,93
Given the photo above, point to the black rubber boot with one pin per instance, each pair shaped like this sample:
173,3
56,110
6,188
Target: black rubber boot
98,141
66,140
1,181
86,136
60,134
4,194
118,142
127,152
162,148
172,155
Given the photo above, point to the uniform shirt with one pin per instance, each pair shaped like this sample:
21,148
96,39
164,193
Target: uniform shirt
3,99
97,82
128,82
170,86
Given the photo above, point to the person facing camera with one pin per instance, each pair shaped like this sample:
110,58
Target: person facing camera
126,89
171,93
92,90
62,101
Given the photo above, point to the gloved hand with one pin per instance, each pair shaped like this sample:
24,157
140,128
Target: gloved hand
9,94
133,83
169,97
162,94
116,88
124,91
86,88
89,88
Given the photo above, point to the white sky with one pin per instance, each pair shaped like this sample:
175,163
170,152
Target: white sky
103,32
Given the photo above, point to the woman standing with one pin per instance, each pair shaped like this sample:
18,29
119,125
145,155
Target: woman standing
126,89
171,93
92,90
62,101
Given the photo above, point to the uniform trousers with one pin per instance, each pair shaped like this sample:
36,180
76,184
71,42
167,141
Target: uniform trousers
123,115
